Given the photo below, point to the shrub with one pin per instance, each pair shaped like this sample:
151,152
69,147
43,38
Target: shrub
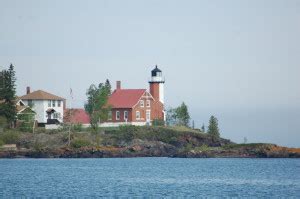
158,122
40,130
203,147
1,143
77,127
3,122
128,128
10,137
78,143
38,146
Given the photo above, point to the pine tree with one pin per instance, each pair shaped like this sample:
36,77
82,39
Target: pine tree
108,86
203,128
213,128
8,95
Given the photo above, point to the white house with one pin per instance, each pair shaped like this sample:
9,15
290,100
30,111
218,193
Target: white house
49,108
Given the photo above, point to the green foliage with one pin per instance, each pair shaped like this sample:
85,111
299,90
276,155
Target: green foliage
96,106
3,122
38,146
250,145
203,147
1,143
158,122
27,121
77,127
179,116
171,117
213,128
40,130
187,148
10,137
78,143
203,128
8,94
126,134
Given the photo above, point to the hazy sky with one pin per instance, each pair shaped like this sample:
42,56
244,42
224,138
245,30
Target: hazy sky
237,60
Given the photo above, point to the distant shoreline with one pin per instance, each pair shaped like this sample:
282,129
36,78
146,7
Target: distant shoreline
131,142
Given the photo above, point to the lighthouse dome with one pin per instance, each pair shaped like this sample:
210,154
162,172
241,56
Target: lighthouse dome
156,72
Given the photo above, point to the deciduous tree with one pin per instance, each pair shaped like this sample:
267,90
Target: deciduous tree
96,105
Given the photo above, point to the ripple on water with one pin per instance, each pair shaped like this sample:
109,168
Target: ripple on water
149,177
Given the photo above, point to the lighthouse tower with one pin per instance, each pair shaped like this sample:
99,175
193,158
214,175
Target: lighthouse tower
157,85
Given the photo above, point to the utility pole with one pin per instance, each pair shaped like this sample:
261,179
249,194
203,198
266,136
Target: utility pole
70,117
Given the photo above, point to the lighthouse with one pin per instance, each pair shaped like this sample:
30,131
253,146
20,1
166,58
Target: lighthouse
157,85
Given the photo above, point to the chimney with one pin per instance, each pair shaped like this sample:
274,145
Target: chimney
27,90
118,84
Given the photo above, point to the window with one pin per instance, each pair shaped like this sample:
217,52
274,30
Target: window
126,115
118,115
138,115
58,103
30,103
148,103
53,103
142,103
109,115
148,115
49,103
56,115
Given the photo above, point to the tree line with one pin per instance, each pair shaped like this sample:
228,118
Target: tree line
180,116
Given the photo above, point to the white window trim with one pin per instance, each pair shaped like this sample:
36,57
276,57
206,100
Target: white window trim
142,103
148,104
110,116
49,104
125,115
138,113
118,113
148,112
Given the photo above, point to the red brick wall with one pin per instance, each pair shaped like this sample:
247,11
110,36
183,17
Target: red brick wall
121,115
154,90
156,108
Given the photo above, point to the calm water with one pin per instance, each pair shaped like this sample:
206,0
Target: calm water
150,177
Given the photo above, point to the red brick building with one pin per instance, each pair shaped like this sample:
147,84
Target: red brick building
137,106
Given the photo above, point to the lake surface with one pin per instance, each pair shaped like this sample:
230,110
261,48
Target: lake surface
149,177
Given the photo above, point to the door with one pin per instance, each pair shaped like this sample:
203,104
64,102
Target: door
148,116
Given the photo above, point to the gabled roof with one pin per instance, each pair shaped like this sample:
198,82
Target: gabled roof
125,98
21,109
40,95
79,116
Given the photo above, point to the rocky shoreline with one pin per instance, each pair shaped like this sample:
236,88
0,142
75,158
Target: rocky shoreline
156,150
130,142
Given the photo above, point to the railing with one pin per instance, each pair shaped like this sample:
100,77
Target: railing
52,121
156,79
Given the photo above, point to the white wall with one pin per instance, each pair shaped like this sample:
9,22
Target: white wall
41,106
38,107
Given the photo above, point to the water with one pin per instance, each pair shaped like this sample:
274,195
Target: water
149,177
